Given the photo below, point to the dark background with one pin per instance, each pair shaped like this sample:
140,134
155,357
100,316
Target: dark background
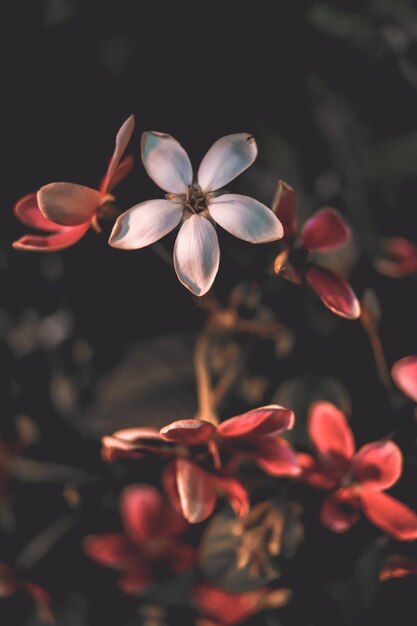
330,92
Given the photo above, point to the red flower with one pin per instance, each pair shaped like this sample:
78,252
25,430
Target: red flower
192,484
151,539
65,211
399,258
322,232
404,374
10,584
359,479
227,609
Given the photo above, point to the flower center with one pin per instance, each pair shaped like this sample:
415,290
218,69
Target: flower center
194,200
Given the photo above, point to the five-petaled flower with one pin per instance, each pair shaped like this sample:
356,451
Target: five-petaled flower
197,204
201,456
404,374
322,232
358,479
150,545
65,211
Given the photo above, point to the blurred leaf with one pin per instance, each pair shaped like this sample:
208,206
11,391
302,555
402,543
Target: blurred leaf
40,545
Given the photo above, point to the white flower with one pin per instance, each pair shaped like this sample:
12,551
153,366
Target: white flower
197,204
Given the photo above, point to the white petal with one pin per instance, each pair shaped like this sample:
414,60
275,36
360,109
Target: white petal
166,162
226,159
197,254
145,223
245,218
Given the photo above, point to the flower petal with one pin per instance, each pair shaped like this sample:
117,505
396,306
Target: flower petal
404,374
331,435
325,230
263,421
334,292
110,549
145,223
123,169
378,464
197,255
188,432
275,456
122,139
227,608
339,511
235,493
68,204
245,218
166,162
142,510
196,491
63,238
227,158
284,207
28,212
399,258
130,443
397,566
388,514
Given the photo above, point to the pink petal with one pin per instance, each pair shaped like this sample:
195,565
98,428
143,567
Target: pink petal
197,255
397,566
325,230
142,510
339,511
235,492
227,608
388,514
196,491
111,549
331,435
68,204
378,464
122,139
334,292
399,259
42,600
188,432
263,421
275,456
404,374
284,207
28,212
166,162
63,238
315,474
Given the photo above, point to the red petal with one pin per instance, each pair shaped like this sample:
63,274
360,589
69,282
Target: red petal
315,474
263,421
235,493
123,169
397,566
331,435
334,292
28,212
196,491
42,600
111,549
144,513
404,374
63,238
325,230
340,510
122,139
227,608
284,208
378,464
400,258
188,432
275,456
388,514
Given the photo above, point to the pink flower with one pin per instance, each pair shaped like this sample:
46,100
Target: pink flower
65,211
404,374
399,258
358,479
325,230
151,538
10,584
196,204
227,609
192,480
